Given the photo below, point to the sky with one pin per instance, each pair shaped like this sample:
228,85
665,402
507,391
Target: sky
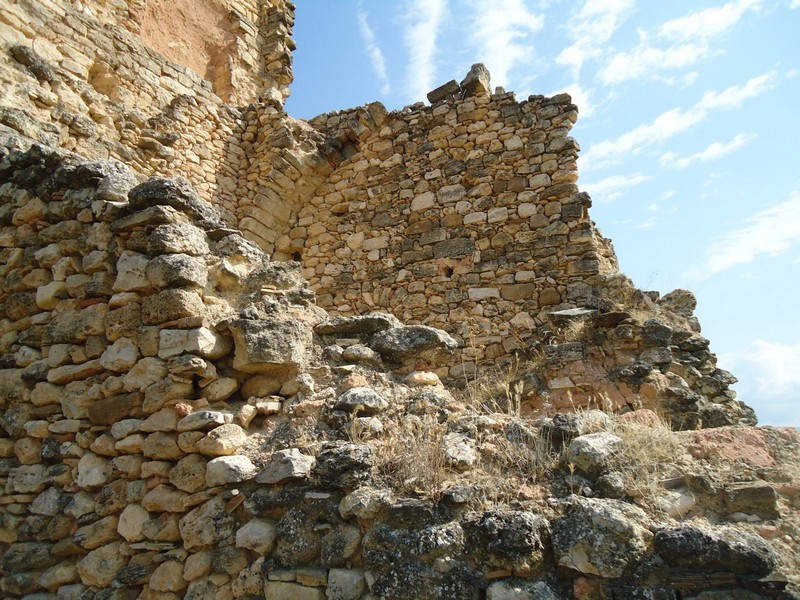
689,129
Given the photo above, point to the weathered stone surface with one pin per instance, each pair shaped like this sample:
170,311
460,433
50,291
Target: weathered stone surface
362,401
509,538
365,503
413,342
164,498
206,525
520,590
477,82
99,567
177,238
168,577
121,356
600,537
285,465
257,535
459,451
229,469
346,584
590,453
131,521
201,341
201,420
189,474
269,345
344,465
724,548
176,192
279,590
222,441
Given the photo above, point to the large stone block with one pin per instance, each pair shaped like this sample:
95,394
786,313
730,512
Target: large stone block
270,345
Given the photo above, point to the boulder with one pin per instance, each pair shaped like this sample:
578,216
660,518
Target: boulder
361,400
414,342
176,192
590,453
600,537
285,465
270,345
710,549
477,82
343,465
257,535
229,469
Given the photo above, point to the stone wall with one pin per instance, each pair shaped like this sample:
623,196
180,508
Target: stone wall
462,215
177,420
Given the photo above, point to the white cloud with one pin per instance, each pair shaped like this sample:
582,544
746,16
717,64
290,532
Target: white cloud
713,152
419,36
591,27
374,52
733,96
613,187
777,366
687,38
707,23
503,30
648,61
672,122
770,232
794,4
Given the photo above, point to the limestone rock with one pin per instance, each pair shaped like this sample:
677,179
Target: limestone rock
229,469
362,401
413,342
477,82
189,474
177,238
222,441
164,498
121,356
344,465
93,471
201,420
270,345
285,465
257,535
600,537
176,192
520,590
99,567
365,503
280,590
459,451
359,325
168,577
590,453
131,521
345,584
724,548
206,525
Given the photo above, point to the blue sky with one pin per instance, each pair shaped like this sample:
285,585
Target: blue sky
689,126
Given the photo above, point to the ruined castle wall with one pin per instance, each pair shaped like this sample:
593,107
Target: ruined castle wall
463,215
79,76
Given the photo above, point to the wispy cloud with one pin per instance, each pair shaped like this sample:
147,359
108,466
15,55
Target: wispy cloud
648,61
794,4
735,95
676,44
713,152
419,36
591,27
374,52
707,23
503,31
674,121
613,187
777,366
770,232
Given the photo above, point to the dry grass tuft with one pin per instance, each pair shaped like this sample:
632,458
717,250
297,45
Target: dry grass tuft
647,455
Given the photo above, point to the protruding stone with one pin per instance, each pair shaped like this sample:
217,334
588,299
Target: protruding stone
229,469
285,465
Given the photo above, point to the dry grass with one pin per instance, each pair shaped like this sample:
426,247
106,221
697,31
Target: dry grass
409,455
647,455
